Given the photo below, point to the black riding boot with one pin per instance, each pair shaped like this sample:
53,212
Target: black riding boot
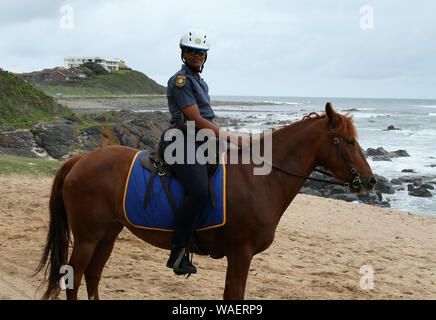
179,262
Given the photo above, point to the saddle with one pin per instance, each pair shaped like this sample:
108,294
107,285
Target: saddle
154,161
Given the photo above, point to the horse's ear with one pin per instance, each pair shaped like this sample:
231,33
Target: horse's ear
331,115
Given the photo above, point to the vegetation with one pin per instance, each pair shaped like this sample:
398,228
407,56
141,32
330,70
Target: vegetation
96,68
28,166
115,83
21,104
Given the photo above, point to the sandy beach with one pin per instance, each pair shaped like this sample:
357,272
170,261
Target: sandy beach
318,252
156,103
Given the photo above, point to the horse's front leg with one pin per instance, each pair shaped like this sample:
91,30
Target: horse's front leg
238,264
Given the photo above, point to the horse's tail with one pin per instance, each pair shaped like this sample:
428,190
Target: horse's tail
58,237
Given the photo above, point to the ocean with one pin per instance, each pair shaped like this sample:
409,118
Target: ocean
416,120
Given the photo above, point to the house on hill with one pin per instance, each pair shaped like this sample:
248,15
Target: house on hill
108,64
54,76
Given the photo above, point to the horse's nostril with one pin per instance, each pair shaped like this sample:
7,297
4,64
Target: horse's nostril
373,181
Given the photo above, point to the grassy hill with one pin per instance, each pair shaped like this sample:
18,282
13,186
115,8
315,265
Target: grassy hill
21,104
121,82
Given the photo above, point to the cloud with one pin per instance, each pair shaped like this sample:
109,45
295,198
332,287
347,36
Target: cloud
257,47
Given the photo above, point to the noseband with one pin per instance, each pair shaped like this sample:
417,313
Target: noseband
356,182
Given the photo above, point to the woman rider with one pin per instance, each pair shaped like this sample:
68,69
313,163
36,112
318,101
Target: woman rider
188,99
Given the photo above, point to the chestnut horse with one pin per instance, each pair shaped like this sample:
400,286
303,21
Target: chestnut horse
87,198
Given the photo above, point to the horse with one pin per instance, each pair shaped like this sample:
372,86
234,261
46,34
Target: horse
87,198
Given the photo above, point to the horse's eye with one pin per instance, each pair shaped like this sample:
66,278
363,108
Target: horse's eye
350,142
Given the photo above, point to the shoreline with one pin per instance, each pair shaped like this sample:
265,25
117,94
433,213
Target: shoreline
104,104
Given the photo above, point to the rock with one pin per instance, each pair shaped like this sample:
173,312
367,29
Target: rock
376,152
418,192
391,127
18,143
408,170
396,182
381,158
385,204
349,197
381,154
399,188
338,190
369,197
379,195
57,139
398,154
310,191
98,136
427,186
73,119
383,185
410,179
18,152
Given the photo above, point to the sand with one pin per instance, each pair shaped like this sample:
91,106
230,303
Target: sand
319,249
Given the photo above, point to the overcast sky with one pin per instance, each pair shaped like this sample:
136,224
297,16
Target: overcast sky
264,48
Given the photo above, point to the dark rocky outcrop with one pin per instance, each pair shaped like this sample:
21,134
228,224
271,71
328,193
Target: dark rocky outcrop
376,152
420,191
391,127
383,185
398,154
18,143
342,193
380,154
57,139
69,136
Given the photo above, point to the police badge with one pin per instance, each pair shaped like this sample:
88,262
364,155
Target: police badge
180,82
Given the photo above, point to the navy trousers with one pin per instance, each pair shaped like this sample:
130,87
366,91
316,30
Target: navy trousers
194,179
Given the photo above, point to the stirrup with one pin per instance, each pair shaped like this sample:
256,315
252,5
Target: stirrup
176,266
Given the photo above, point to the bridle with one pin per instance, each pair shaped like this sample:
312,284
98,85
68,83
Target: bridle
356,182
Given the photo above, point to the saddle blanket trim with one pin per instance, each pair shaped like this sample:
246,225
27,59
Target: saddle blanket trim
168,230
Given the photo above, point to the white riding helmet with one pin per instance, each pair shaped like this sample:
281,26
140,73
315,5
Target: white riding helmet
195,38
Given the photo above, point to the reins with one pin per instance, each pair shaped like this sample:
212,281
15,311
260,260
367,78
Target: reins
357,183
344,184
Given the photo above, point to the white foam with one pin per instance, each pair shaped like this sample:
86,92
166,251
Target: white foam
280,102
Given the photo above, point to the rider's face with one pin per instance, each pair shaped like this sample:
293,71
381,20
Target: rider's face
194,60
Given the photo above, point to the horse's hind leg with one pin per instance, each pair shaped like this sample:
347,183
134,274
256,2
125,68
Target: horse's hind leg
79,260
101,255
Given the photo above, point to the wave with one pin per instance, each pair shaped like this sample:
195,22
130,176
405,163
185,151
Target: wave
280,102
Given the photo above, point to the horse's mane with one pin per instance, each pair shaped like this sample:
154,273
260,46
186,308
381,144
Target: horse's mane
344,127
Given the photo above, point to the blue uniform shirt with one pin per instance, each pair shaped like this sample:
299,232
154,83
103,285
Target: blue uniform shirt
185,89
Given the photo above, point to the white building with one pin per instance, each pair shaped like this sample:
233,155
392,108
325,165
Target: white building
108,64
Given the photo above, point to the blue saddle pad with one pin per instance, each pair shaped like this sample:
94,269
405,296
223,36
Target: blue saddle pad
158,215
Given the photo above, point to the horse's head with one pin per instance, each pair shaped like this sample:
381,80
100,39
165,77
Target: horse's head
342,154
